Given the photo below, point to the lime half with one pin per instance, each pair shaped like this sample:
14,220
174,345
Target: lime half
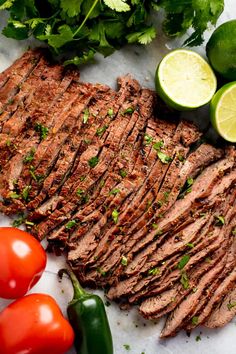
223,112
184,80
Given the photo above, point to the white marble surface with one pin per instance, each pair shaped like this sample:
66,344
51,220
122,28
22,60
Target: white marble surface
129,327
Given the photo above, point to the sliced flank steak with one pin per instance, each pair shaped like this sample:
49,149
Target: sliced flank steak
137,200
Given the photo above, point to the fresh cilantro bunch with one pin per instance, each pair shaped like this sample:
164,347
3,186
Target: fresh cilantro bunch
80,28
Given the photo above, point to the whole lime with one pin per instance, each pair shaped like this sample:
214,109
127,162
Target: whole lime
221,50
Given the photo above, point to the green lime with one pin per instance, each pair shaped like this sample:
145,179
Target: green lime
223,112
221,50
184,80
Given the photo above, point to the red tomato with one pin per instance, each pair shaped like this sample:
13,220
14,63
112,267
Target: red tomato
34,324
22,262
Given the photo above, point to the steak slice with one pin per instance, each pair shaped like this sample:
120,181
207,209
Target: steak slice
224,311
11,80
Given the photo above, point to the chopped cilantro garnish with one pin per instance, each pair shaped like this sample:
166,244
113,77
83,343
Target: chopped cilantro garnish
159,233
181,158
102,183
187,188
102,272
198,338
184,260
230,305
153,271
129,110
127,346
101,130
124,261
184,280
148,139
79,192
87,141
220,220
190,245
19,221
115,215
154,226
30,156
114,191
8,143
25,193
194,320
163,157
158,145
14,195
110,112
85,116
166,196
123,173
71,224
93,161
42,130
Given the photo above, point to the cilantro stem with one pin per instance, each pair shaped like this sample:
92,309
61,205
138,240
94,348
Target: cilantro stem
86,17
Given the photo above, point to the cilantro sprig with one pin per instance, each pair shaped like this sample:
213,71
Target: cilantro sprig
84,27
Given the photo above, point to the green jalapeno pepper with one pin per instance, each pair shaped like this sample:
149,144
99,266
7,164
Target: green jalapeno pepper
87,315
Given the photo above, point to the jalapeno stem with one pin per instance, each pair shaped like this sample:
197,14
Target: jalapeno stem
79,292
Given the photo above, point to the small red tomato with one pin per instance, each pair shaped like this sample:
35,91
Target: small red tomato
22,262
34,324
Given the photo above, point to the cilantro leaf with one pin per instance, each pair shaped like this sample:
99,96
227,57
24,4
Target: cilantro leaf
143,37
56,41
84,58
6,4
184,260
16,30
72,7
117,5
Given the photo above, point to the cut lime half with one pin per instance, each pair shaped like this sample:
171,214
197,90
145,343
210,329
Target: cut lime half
184,80
223,112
